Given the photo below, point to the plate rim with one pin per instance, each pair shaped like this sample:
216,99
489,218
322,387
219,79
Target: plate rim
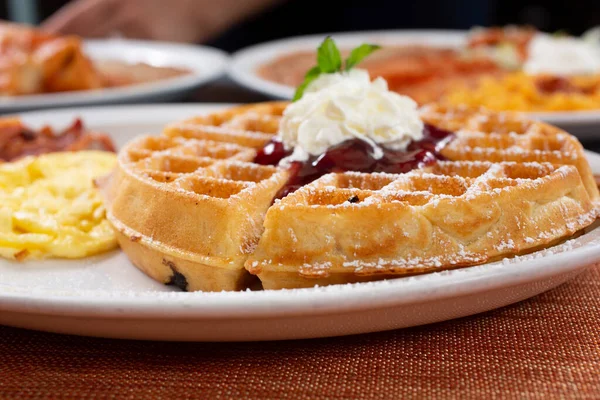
218,59
97,112
298,302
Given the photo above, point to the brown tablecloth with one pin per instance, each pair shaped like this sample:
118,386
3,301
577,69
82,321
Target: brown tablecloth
544,348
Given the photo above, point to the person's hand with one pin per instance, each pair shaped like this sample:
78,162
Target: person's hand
169,20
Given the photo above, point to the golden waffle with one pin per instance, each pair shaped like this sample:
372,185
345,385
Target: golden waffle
189,212
190,207
251,126
483,135
356,227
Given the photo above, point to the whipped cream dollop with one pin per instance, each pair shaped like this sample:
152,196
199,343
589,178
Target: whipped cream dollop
562,56
348,105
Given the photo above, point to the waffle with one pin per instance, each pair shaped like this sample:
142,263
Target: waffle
483,135
251,126
356,227
188,212
191,209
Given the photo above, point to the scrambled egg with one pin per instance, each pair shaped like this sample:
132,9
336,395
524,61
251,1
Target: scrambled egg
519,92
50,208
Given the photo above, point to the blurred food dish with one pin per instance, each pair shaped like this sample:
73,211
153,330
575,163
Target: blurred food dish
421,72
551,65
542,72
34,62
510,68
277,67
41,70
521,92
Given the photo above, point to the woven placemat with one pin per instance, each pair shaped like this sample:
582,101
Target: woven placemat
544,348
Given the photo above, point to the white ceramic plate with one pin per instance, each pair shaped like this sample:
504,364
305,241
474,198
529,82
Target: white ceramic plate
205,64
106,296
245,64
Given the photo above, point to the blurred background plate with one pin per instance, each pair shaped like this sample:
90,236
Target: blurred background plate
204,63
246,62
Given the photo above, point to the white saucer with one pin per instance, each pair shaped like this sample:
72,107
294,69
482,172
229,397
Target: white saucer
106,296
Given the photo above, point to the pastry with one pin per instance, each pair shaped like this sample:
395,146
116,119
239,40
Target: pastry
189,205
188,212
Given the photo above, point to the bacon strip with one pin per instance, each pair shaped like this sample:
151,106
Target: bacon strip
17,140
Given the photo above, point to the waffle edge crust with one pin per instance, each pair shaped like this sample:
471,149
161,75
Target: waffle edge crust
191,209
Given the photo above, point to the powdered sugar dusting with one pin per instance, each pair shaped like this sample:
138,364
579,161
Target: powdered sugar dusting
581,251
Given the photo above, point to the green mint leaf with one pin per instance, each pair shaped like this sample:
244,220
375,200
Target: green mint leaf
359,54
329,58
329,61
310,76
